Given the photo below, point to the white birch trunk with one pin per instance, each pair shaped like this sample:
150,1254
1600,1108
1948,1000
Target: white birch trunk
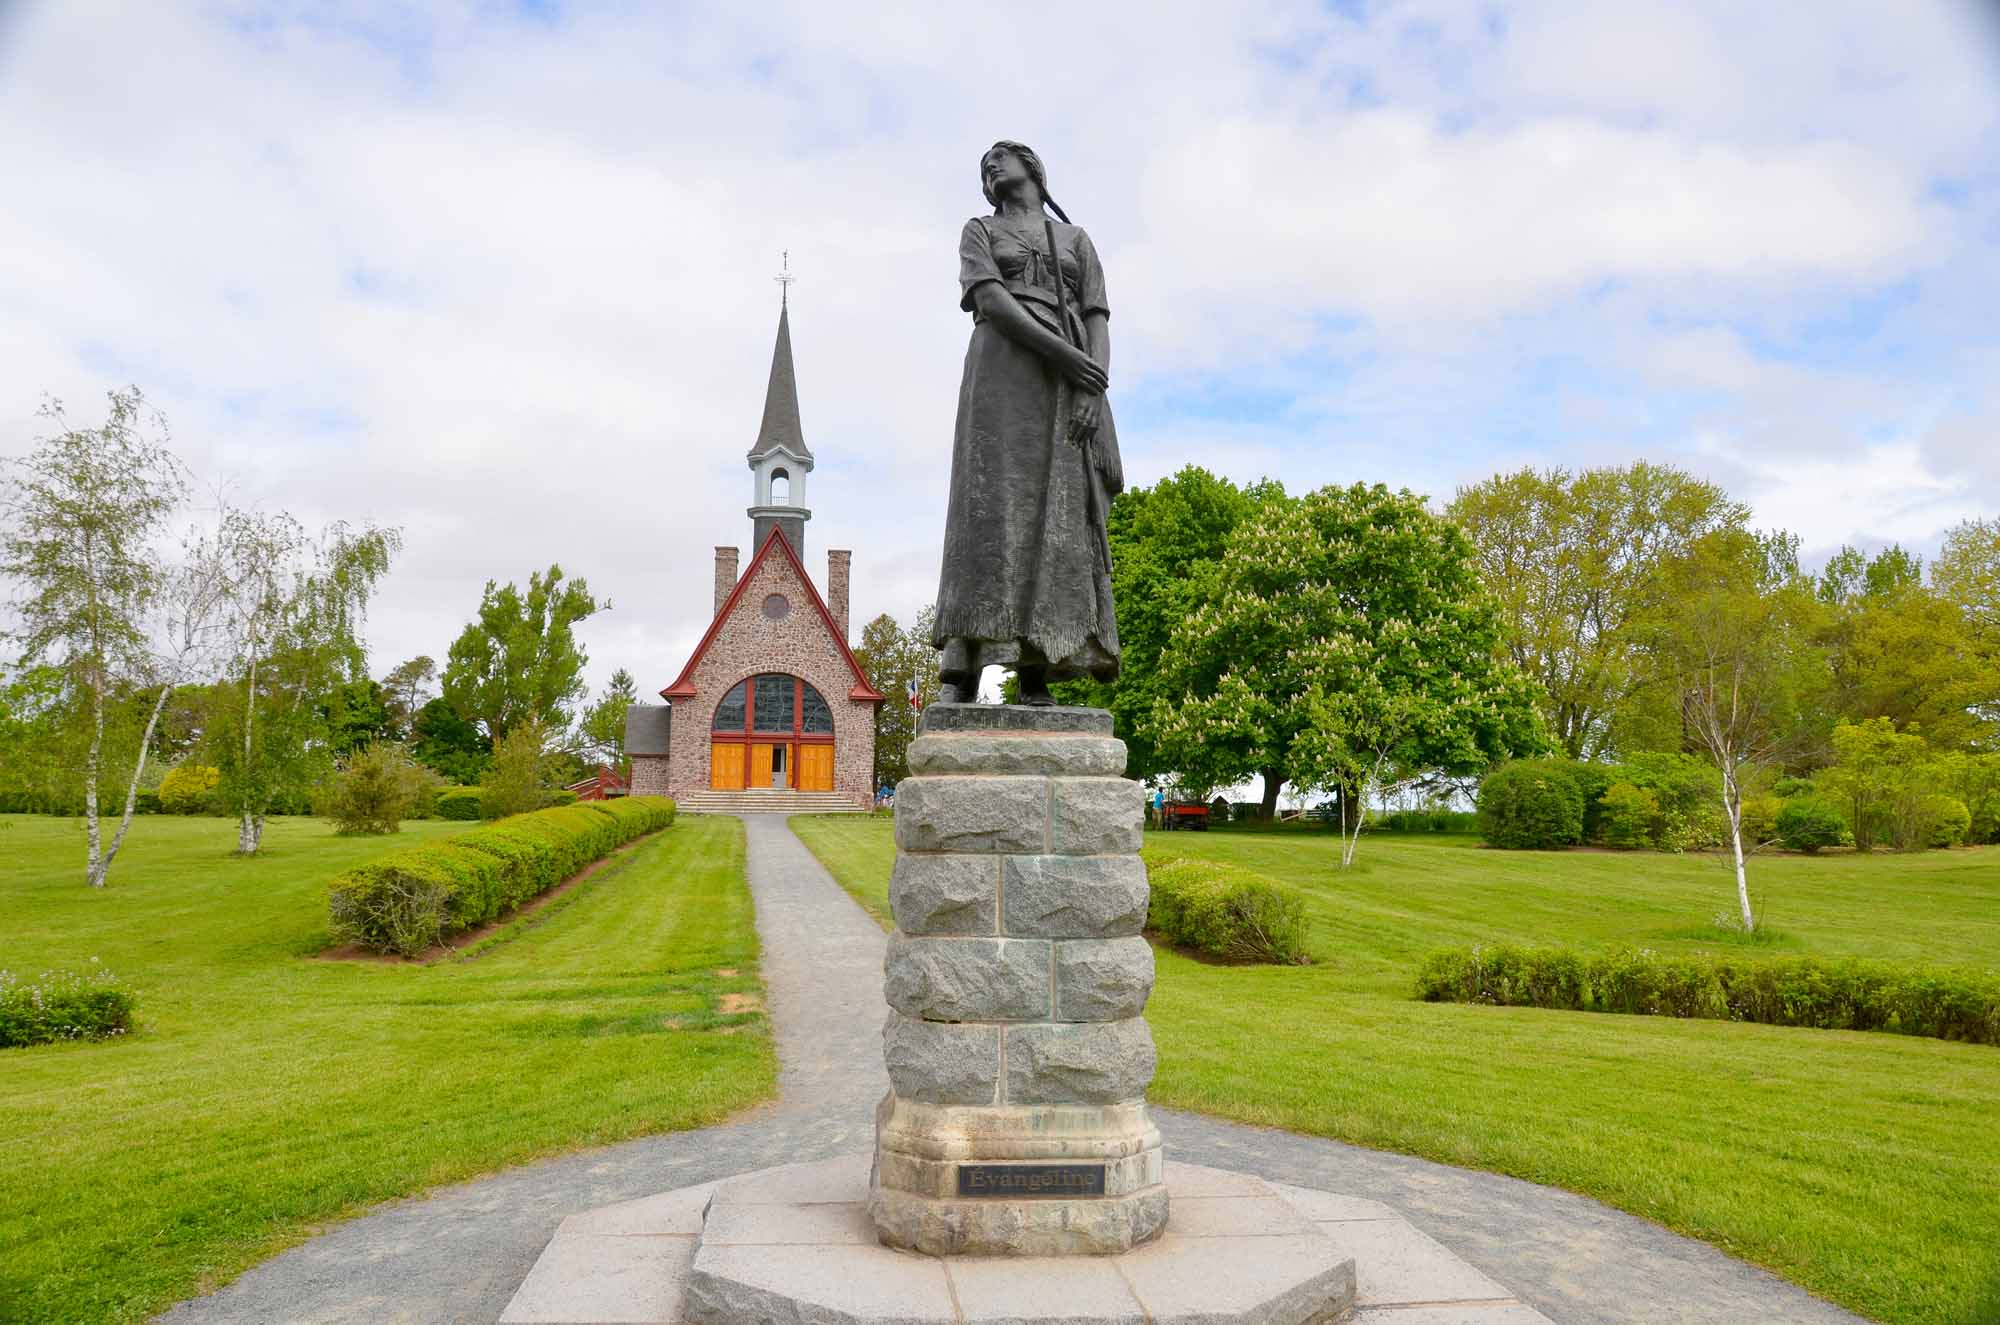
251,826
95,866
132,787
1732,805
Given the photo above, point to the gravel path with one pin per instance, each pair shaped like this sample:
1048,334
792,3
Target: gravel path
459,1253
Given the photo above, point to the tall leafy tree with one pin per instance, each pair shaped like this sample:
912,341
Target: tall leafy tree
1734,643
1340,636
601,732
449,745
84,510
894,658
407,688
1968,573
297,604
1576,560
1909,651
1161,537
520,660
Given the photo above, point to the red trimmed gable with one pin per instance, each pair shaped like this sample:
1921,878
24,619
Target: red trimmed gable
683,686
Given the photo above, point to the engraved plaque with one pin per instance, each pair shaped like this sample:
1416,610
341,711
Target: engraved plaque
1030,1181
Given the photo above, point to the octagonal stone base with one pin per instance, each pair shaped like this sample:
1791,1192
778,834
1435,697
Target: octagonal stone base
774,1247
914,1192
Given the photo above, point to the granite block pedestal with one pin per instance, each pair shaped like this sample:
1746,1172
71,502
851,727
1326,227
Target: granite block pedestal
1016,979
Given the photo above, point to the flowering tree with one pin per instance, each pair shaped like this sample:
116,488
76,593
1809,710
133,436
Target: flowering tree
1340,639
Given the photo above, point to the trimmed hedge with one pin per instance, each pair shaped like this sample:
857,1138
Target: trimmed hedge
1843,994
412,899
464,803
1227,912
63,1005
1429,821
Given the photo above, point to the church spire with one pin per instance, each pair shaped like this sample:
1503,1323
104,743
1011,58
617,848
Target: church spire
781,427
780,459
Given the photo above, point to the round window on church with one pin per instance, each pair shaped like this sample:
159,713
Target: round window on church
777,607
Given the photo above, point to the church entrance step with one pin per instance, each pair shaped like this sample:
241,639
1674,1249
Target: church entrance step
767,802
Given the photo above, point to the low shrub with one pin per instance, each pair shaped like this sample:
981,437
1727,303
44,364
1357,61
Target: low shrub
1626,816
189,788
562,796
63,1005
375,791
1531,804
459,803
1809,823
1946,821
1429,821
1846,994
1227,912
412,899
1760,819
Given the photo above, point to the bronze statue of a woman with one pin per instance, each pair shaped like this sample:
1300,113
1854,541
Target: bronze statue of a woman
1034,460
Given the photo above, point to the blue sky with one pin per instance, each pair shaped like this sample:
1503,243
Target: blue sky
499,273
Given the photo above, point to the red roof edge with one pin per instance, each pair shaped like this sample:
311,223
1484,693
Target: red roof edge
683,686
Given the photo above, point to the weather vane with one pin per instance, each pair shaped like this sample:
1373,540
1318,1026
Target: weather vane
784,278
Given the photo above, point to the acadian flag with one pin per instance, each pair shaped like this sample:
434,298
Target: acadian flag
916,699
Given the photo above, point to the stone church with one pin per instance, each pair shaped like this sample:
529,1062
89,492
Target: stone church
772,707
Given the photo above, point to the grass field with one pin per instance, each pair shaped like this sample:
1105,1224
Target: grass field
1865,1167
267,1092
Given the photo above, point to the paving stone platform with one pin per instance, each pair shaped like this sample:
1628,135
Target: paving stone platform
795,1244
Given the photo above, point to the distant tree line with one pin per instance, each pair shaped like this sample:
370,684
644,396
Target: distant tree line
150,634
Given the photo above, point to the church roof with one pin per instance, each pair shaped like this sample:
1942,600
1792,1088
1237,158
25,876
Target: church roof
683,686
781,429
648,729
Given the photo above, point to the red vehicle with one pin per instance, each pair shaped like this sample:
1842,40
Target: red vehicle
1185,815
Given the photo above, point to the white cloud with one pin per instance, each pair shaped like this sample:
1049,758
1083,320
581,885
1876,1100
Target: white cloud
504,283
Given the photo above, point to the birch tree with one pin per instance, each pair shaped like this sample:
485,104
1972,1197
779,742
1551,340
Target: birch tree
84,510
1736,647
296,605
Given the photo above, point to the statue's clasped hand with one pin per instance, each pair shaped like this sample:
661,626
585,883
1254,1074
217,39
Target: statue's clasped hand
1084,416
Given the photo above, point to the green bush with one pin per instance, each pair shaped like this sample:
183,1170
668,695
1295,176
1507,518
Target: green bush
414,898
1627,816
375,791
1847,994
1531,804
1429,821
146,802
63,1005
1592,781
1809,823
1227,912
1760,819
189,788
562,796
459,803
1946,821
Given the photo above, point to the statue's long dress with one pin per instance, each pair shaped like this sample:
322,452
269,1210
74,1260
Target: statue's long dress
1027,570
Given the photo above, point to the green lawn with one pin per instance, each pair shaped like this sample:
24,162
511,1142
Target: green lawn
1864,1166
267,1092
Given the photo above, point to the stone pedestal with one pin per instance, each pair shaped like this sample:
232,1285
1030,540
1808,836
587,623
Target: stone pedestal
1018,1059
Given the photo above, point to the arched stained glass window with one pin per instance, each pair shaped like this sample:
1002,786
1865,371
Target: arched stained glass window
815,716
773,704
732,713
774,711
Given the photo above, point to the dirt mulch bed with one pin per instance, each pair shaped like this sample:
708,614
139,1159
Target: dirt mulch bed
354,952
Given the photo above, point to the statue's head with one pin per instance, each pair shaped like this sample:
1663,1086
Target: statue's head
1007,165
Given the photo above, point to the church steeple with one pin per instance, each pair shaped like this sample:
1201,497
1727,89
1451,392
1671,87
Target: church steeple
780,458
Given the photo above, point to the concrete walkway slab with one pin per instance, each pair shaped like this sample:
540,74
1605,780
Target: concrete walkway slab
459,1254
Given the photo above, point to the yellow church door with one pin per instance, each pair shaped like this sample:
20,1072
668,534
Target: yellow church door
725,767
815,768
760,765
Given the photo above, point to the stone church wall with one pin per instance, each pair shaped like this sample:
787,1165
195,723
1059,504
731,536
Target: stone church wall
750,642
